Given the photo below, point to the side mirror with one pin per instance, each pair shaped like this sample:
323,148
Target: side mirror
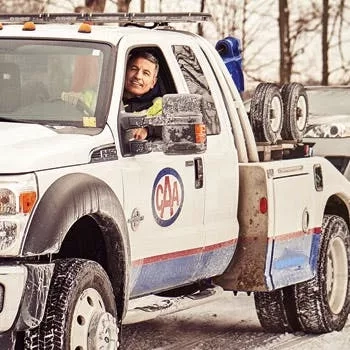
183,130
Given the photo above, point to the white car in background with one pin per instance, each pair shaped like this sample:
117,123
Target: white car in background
329,124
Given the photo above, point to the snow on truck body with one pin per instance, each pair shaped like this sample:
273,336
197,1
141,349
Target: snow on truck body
150,217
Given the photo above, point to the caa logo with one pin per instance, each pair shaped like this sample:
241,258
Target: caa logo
167,197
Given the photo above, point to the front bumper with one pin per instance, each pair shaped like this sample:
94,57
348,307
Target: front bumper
12,283
23,294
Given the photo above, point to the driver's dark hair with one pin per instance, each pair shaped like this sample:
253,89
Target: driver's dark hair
143,53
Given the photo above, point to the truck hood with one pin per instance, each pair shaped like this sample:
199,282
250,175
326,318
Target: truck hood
33,147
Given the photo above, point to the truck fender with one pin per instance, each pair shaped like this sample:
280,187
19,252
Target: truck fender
68,199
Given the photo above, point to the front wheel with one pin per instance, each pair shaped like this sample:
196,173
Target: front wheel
323,303
80,311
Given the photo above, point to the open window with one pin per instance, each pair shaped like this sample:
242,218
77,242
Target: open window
138,107
178,127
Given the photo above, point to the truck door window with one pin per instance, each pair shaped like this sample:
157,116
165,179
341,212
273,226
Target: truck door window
149,103
198,84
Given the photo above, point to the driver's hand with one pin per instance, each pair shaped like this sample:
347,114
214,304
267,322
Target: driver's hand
71,97
139,133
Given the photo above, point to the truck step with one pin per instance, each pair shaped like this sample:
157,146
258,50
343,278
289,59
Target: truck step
150,307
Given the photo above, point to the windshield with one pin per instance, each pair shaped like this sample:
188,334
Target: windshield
329,113
54,83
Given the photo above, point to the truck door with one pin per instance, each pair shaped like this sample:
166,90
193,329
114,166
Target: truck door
163,207
220,162
296,236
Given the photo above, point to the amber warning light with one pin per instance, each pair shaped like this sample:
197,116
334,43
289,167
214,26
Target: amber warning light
27,201
200,133
28,26
85,28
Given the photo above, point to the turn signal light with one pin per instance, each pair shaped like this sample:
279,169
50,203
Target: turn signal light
200,133
27,201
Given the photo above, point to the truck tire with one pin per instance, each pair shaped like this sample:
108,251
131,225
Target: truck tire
80,310
323,303
266,113
274,312
296,111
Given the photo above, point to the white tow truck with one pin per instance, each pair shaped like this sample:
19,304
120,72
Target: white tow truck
92,223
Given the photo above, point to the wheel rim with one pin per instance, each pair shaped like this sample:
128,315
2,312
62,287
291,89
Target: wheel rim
92,326
301,113
275,115
337,274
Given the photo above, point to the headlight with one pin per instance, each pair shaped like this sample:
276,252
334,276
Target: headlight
18,196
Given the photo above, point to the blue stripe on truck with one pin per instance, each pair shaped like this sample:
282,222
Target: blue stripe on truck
182,267
294,257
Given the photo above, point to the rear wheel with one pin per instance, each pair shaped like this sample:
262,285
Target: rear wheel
296,111
323,303
80,312
275,310
266,113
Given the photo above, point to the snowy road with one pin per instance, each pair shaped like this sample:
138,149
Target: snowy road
228,323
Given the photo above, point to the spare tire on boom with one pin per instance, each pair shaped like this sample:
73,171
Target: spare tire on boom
296,111
266,113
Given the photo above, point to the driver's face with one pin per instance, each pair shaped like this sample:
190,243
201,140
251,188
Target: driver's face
140,77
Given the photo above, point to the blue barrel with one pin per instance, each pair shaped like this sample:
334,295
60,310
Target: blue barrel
229,50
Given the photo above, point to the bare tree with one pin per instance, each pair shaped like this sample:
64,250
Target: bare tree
225,14
200,25
325,20
92,6
142,5
123,5
337,34
285,51
22,6
244,28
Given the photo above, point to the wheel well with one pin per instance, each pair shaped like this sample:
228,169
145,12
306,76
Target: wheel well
92,238
336,206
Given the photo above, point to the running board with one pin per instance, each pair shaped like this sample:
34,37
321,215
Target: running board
150,307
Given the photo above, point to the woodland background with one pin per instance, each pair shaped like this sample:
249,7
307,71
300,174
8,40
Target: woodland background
281,40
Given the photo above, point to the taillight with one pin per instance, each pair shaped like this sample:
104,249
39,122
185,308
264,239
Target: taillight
263,207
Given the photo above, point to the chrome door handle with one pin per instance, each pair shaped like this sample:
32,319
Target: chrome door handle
199,175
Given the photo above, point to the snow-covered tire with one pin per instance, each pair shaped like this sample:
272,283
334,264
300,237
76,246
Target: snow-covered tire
275,310
323,303
266,113
296,111
80,311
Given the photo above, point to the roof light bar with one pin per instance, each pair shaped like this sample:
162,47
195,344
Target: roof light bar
119,17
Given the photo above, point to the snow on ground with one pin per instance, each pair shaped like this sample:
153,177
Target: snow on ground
228,323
